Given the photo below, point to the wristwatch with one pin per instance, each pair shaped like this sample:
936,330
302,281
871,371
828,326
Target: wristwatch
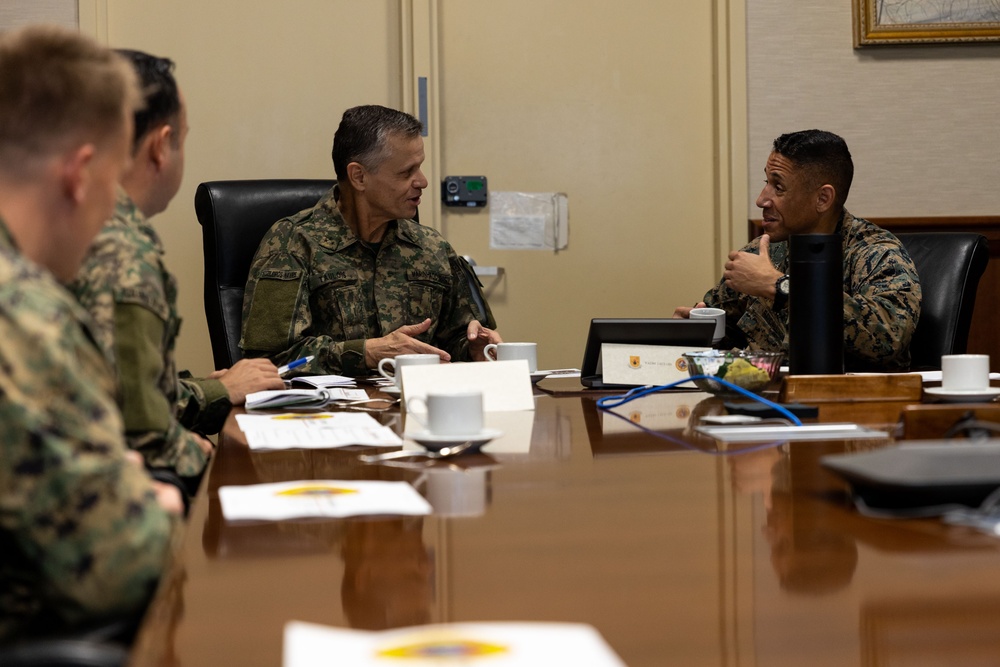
781,289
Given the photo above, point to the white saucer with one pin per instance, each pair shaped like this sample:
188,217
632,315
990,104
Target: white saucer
539,375
964,395
434,442
390,389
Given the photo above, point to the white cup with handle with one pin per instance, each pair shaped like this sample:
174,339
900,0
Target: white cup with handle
965,372
455,412
716,314
511,351
397,362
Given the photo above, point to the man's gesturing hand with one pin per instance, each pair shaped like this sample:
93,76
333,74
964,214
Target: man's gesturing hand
401,341
752,274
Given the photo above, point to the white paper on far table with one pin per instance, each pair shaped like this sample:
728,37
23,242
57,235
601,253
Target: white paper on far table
315,430
320,498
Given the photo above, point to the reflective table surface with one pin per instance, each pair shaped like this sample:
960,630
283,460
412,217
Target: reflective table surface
679,551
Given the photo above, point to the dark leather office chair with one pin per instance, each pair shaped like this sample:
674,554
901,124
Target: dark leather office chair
950,265
234,217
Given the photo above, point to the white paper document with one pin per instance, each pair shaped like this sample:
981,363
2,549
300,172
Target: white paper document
315,430
321,381
751,433
319,498
302,398
493,644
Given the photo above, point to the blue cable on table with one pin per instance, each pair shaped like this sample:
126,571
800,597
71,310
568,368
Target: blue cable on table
609,402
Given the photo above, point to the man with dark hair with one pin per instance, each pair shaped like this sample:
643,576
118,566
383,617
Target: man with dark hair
132,297
84,531
807,178
354,279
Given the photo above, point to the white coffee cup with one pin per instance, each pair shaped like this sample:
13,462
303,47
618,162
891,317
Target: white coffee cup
964,372
404,360
458,492
511,351
716,314
452,412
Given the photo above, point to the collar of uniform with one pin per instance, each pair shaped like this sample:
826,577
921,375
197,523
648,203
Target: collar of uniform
397,229
128,213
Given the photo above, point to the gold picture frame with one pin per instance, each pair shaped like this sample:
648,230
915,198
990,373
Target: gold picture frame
886,22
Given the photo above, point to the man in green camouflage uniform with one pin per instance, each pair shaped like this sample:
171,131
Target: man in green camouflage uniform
132,297
84,531
354,279
809,174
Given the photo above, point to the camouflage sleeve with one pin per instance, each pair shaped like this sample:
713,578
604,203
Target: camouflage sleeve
84,519
151,427
459,308
202,404
881,312
278,322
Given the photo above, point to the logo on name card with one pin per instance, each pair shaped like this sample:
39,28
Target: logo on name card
315,490
634,361
456,650
681,364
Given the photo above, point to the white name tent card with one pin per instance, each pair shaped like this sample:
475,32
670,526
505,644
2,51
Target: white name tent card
315,430
631,364
506,385
489,644
320,498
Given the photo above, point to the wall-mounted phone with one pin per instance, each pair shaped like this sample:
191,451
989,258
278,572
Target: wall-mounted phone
464,191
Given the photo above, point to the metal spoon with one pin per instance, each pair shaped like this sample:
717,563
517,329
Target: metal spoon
444,452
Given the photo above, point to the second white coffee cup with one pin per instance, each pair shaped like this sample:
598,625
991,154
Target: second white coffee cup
401,360
449,413
511,351
964,372
716,314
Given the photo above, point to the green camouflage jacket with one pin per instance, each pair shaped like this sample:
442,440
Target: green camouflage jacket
881,301
316,289
81,534
132,300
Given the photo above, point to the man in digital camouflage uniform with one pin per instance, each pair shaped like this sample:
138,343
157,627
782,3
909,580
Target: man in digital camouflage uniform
132,297
354,279
808,176
83,529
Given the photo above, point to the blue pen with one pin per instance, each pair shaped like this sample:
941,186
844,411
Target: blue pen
295,364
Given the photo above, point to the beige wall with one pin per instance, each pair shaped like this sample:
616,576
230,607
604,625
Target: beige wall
612,104
920,121
636,141
266,84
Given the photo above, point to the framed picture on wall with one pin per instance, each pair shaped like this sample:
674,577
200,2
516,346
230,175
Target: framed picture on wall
885,22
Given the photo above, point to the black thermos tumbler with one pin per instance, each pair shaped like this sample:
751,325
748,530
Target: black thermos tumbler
816,304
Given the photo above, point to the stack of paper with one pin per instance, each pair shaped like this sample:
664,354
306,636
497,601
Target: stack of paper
319,498
324,381
315,430
302,398
494,644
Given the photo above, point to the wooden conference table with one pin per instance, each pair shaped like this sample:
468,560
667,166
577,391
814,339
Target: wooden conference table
678,552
